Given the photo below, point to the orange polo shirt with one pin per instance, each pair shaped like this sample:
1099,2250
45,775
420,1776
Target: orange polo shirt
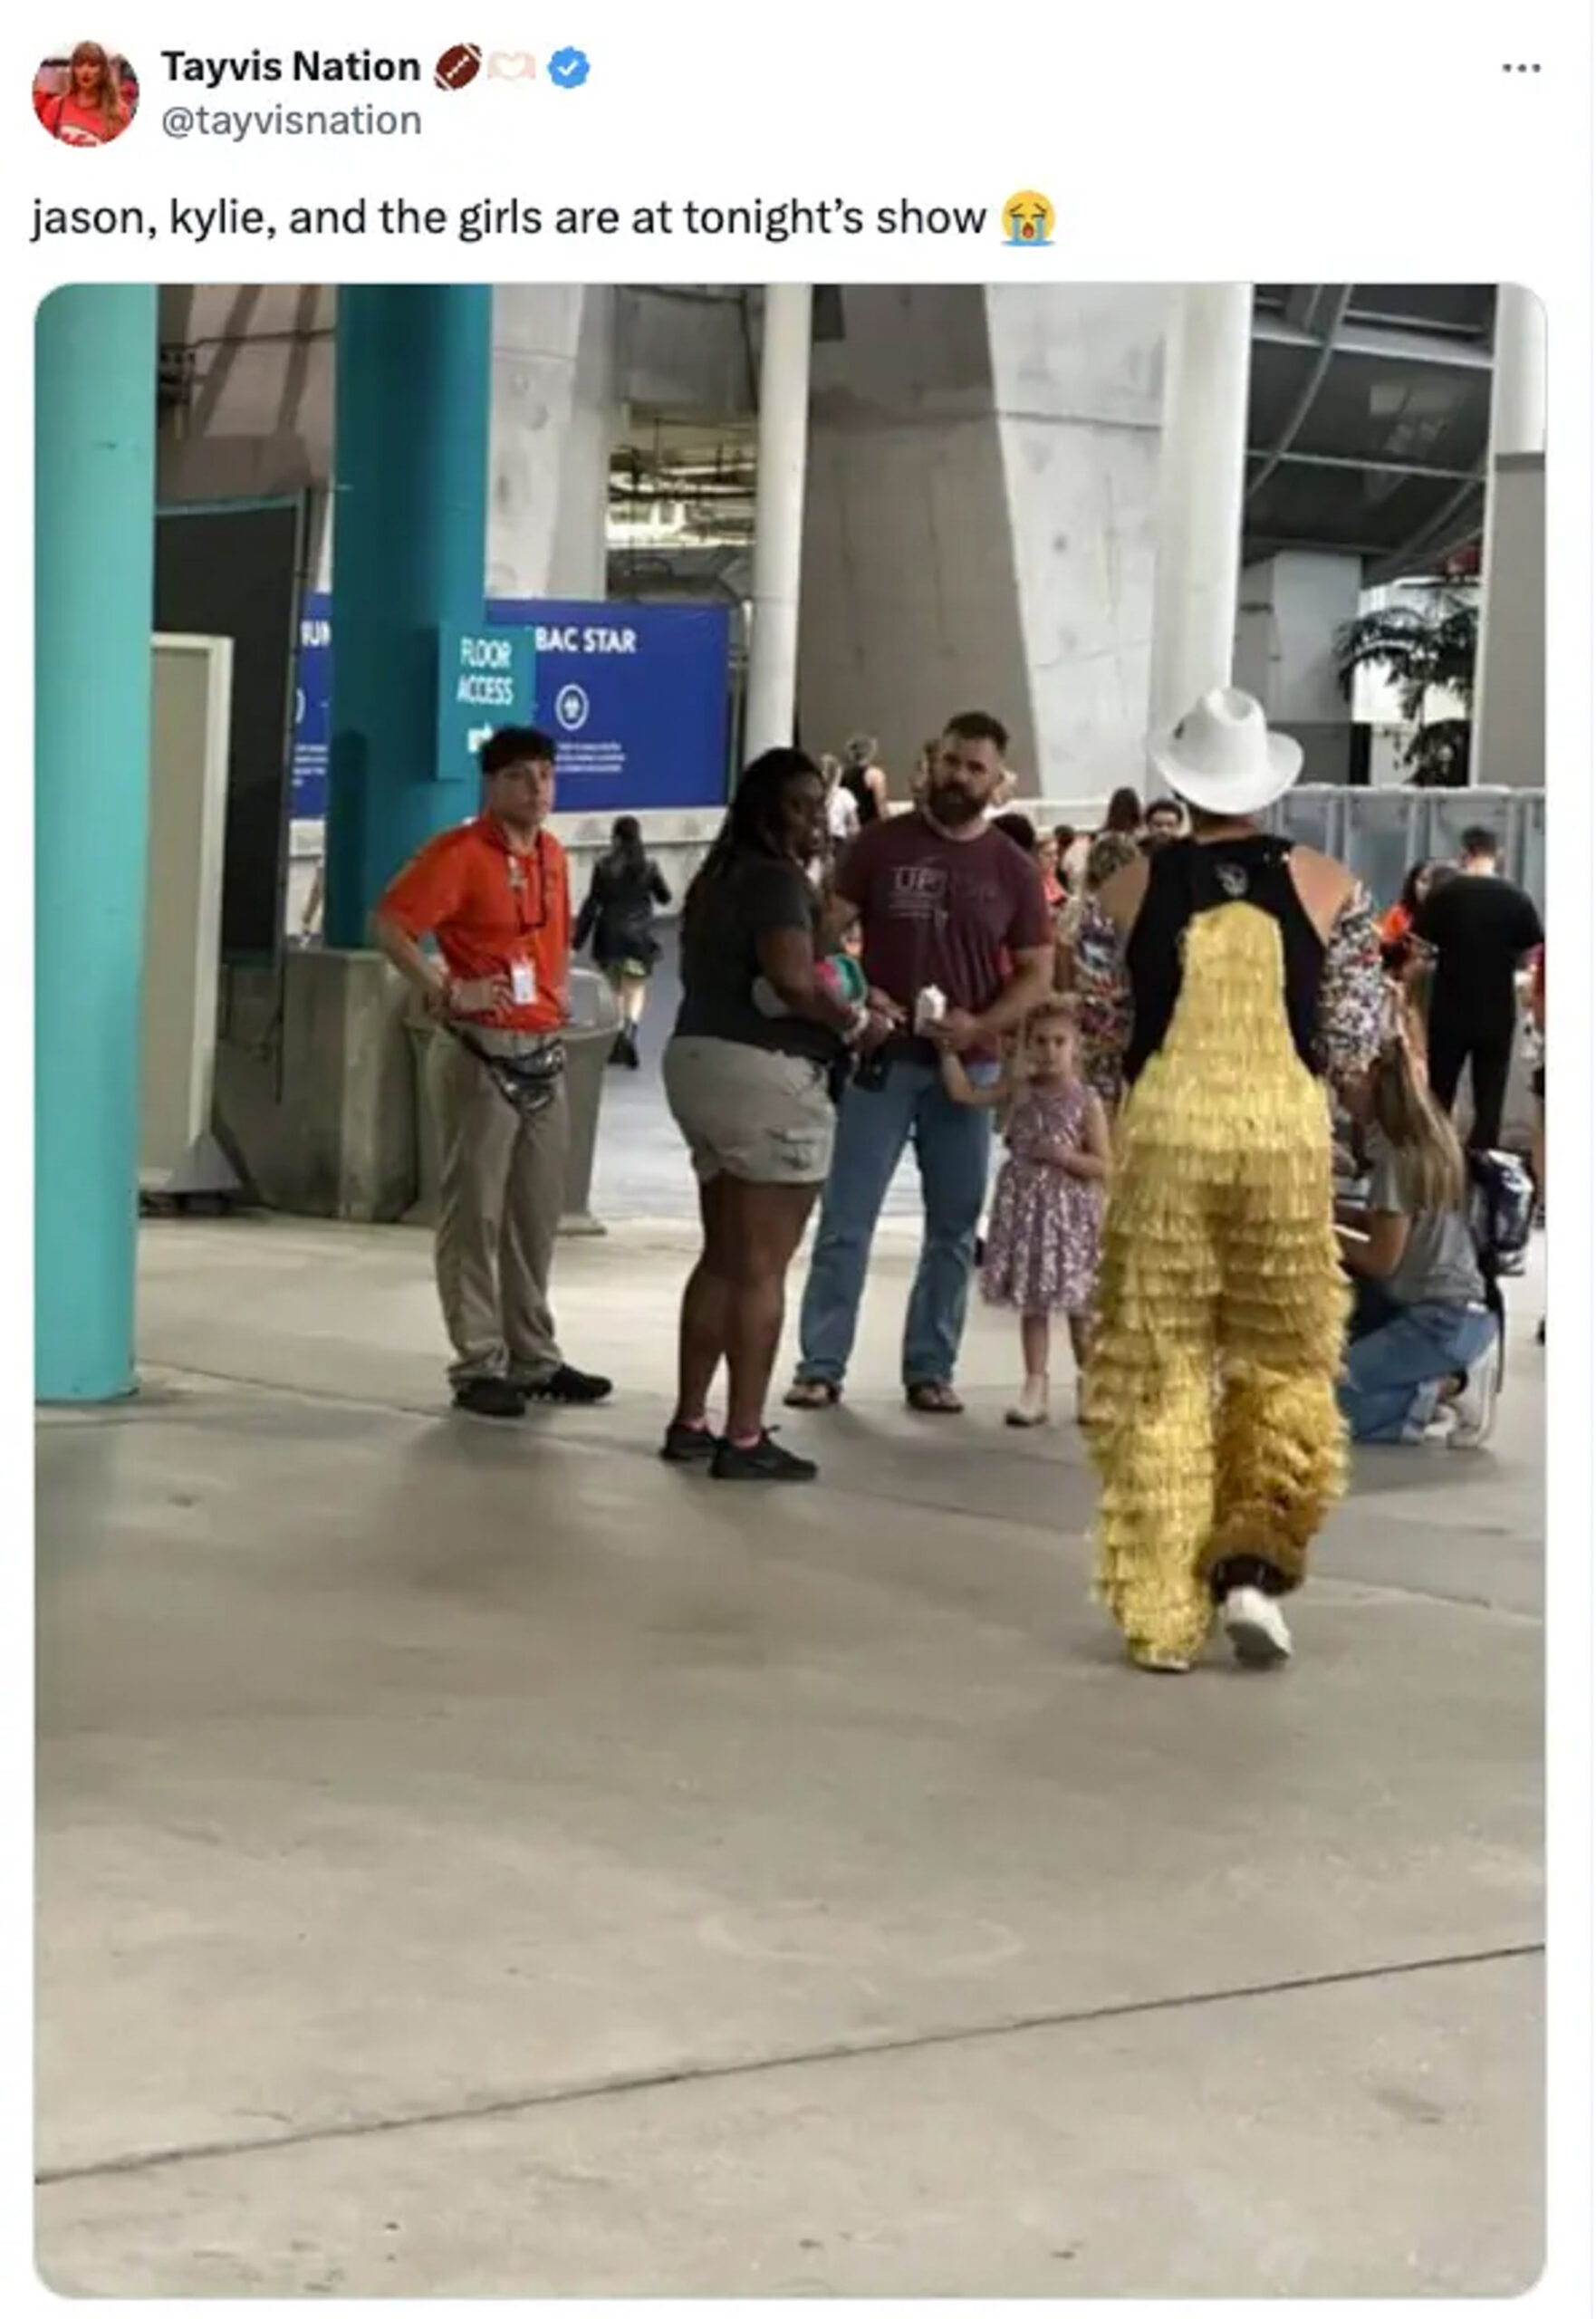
501,918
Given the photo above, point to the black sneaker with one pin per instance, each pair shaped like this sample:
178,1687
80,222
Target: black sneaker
766,1461
490,1397
687,1445
572,1387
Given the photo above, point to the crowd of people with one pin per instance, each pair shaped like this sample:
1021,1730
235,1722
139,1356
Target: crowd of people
1223,1088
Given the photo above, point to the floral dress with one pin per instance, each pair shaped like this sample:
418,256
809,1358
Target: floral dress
1042,1240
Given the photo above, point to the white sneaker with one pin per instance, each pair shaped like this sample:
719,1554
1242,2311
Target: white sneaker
1031,1409
1256,1626
1474,1412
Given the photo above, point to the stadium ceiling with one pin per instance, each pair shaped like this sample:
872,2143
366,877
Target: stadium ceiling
1369,421
1367,430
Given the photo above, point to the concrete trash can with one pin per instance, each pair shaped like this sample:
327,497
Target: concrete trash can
589,1036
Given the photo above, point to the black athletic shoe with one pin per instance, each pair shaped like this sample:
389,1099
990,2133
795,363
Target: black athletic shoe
766,1461
572,1387
687,1445
490,1397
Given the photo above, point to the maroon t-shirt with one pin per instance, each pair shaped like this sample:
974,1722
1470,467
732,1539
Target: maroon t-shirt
942,911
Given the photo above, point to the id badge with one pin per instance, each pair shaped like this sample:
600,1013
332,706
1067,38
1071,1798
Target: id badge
522,983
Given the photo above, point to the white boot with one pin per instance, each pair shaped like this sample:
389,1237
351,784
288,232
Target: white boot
1031,1409
1256,1627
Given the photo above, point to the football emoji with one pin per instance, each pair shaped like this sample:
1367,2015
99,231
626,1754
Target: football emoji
458,67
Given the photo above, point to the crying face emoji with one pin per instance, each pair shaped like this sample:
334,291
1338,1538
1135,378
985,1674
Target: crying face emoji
1027,221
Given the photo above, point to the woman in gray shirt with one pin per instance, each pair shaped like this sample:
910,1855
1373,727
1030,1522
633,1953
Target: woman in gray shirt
1436,1351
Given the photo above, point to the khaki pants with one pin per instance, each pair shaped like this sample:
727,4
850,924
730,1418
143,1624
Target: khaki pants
500,1200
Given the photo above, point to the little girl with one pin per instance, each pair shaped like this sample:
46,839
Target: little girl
1041,1244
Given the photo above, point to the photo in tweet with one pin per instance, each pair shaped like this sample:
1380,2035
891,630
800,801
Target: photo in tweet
791,1264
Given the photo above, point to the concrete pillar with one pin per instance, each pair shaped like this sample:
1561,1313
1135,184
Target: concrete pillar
1289,609
553,428
1077,383
93,592
1201,475
1518,377
1509,748
778,520
410,500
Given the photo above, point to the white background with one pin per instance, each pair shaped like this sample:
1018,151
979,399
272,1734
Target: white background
1233,141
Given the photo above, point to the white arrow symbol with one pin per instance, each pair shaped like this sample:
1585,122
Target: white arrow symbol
477,735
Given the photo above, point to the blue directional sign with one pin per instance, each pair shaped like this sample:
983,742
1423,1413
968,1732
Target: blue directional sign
313,710
486,677
638,697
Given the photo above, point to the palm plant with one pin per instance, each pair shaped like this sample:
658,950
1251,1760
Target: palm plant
1423,648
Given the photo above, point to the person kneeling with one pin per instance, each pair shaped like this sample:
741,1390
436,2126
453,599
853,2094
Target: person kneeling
1425,1349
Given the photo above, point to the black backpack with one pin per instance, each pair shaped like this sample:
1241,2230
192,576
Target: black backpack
1501,1217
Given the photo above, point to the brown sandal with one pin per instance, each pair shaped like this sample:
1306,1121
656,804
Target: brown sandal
813,1393
931,1398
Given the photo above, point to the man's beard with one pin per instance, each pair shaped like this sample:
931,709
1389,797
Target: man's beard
951,804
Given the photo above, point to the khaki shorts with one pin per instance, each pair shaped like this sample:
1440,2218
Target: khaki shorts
749,1112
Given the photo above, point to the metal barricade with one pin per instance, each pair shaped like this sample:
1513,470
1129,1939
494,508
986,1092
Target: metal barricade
1379,834
1312,815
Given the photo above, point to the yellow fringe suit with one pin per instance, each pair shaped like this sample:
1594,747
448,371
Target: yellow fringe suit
1210,1402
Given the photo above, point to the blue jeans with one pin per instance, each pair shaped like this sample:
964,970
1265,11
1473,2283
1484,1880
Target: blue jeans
1395,1373
952,1145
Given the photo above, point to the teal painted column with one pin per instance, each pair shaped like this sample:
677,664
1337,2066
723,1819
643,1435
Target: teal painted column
93,604
409,457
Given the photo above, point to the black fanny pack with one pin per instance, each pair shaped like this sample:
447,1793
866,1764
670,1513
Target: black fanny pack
529,1082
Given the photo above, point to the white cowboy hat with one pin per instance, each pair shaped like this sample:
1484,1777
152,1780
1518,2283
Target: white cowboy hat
1223,758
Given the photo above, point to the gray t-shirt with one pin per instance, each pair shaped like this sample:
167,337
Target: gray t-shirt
720,958
1438,1265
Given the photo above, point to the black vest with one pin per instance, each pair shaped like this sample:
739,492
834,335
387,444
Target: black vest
1188,877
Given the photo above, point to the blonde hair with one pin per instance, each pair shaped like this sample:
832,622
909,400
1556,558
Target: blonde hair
107,95
1422,1140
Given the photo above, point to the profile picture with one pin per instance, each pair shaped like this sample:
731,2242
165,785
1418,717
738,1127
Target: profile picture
86,94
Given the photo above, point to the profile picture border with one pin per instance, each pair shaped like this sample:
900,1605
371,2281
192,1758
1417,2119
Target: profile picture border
89,126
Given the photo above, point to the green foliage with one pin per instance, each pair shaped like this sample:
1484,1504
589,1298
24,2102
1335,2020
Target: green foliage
1421,648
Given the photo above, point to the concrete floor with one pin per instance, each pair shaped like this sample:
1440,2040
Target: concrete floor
484,1862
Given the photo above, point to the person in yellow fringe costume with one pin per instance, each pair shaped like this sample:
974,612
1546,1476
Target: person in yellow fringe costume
1224,979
